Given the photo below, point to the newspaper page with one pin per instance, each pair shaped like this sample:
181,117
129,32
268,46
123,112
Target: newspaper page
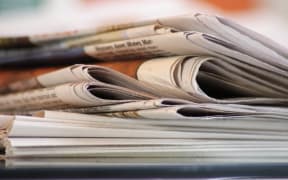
130,33
247,41
255,122
12,42
78,94
73,48
250,41
184,43
214,80
242,43
47,38
234,126
43,127
189,111
100,121
157,151
90,161
77,73
130,106
197,79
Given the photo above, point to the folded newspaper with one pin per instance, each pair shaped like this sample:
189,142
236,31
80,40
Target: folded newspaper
197,34
189,79
206,90
59,138
204,134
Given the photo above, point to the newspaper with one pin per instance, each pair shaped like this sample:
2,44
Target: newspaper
67,135
85,162
130,106
77,38
206,34
247,39
74,73
130,33
78,94
24,126
237,73
58,138
189,79
215,80
163,152
208,55
72,48
101,74
254,123
203,111
218,58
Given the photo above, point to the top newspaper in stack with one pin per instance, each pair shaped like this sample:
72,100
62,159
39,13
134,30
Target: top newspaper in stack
205,35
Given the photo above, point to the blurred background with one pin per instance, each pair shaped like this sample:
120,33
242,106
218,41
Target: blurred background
22,17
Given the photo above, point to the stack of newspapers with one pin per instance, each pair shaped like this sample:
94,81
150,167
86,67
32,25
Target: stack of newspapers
186,89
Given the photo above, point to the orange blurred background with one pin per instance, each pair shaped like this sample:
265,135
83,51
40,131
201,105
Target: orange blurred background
234,6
